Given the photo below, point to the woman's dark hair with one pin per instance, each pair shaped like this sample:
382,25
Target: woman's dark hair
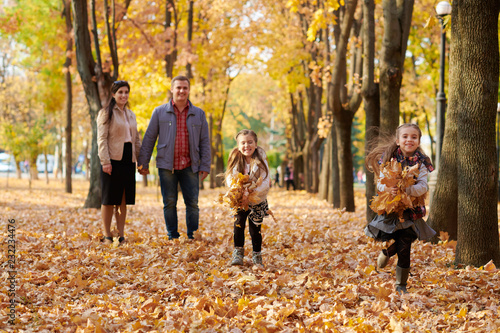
112,102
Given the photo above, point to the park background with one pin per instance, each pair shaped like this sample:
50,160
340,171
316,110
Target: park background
311,78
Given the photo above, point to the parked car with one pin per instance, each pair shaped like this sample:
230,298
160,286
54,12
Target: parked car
40,163
7,163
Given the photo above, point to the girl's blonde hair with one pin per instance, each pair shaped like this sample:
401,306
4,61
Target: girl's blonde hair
384,147
237,159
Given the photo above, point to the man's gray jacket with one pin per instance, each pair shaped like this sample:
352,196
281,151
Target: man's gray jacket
163,126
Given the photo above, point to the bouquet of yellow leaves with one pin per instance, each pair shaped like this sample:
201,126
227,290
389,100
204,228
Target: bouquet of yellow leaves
241,193
394,175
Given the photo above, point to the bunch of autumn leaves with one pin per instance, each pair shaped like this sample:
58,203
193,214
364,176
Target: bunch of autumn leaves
240,194
395,175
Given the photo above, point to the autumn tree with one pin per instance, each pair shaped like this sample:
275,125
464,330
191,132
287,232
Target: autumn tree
96,74
370,93
397,23
69,94
467,182
344,102
296,35
35,80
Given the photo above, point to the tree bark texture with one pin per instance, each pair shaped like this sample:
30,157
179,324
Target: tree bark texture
297,141
329,188
324,175
344,106
334,187
397,20
189,72
443,213
171,56
86,68
371,96
475,64
69,96
343,129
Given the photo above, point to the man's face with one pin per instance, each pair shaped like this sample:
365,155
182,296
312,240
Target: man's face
180,91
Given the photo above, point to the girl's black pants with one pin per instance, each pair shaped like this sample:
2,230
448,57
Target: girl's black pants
239,231
402,246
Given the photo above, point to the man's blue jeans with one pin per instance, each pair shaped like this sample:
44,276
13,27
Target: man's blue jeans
189,183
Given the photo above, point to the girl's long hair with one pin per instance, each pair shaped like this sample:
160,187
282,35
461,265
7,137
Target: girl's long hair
237,159
383,146
112,102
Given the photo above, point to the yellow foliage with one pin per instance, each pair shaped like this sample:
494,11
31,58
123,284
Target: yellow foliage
396,176
240,194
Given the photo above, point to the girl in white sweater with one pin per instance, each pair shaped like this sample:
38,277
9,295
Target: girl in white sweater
249,159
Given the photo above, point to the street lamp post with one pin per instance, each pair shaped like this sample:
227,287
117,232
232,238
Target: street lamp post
442,9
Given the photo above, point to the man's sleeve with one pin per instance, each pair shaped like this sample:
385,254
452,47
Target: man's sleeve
149,141
205,155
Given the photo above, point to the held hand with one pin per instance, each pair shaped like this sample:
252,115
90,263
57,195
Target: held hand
144,171
392,190
203,174
106,168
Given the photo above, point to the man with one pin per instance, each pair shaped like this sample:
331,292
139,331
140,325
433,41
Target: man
183,154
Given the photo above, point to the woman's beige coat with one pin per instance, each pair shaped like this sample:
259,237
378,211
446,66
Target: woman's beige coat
111,135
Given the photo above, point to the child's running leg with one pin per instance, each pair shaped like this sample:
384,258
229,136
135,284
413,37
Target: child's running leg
383,257
256,236
403,245
239,237
255,233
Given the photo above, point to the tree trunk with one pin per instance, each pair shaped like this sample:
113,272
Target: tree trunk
189,72
372,109
443,214
45,168
219,158
371,98
69,95
474,56
86,161
213,172
344,106
33,169
171,56
86,68
343,129
324,176
96,82
329,188
306,154
397,20
316,142
334,187
297,139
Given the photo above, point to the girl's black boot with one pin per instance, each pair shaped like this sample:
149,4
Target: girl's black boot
401,278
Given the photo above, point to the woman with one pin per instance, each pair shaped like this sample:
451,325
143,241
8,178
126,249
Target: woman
119,146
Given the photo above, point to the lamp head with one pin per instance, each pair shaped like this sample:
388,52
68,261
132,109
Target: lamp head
443,8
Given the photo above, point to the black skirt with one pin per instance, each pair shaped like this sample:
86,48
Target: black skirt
122,178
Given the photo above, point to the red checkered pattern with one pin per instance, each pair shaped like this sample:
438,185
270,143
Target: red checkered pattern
181,149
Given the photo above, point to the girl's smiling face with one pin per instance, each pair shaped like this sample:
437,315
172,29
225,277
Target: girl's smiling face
408,140
247,145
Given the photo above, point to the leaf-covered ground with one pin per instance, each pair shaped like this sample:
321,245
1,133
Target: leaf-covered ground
319,272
